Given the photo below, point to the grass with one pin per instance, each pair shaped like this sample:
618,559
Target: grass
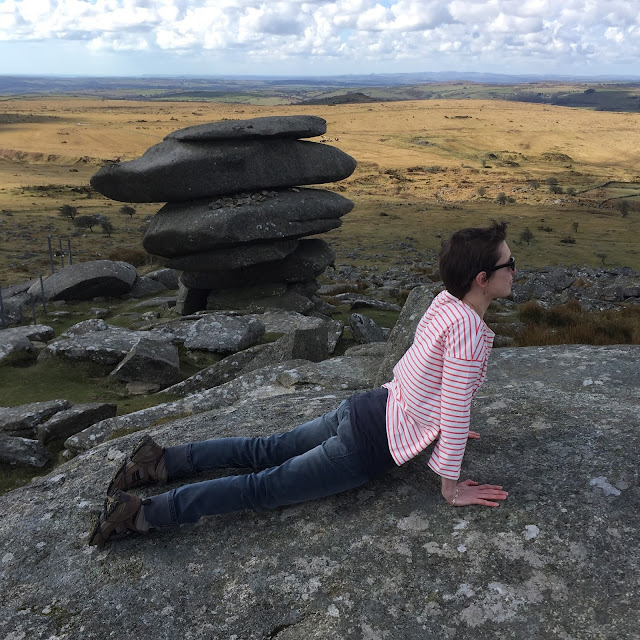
571,324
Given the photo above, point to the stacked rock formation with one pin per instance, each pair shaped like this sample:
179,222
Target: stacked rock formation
235,213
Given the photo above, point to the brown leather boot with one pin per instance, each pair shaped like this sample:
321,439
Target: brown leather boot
145,465
122,512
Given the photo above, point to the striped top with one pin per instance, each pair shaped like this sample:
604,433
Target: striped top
434,382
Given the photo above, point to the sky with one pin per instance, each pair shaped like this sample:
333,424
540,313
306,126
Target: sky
319,37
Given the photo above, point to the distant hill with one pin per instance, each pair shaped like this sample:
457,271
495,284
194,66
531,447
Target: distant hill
610,94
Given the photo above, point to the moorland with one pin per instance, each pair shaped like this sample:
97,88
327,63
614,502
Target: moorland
566,179
570,176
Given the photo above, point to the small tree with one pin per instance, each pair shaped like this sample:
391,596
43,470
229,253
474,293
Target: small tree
574,226
67,211
501,198
551,180
127,210
555,188
107,227
534,184
623,207
481,191
570,191
527,236
85,222
602,256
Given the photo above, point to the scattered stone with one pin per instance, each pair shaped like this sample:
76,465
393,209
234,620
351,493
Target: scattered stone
365,330
23,419
39,332
86,280
167,277
218,373
13,344
69,421
15,450
337,373
142,388
358,301
146,286
224,334
151,361
258,383
375,349
107,347
85,327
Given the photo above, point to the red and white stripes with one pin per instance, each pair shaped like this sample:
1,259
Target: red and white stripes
434,382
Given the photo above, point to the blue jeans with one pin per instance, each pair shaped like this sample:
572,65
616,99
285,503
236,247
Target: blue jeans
314,460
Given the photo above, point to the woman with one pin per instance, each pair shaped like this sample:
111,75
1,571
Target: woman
427,401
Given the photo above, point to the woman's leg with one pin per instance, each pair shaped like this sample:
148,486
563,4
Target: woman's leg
327,469
254,453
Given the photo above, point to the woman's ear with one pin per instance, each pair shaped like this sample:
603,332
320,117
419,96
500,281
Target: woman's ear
481,278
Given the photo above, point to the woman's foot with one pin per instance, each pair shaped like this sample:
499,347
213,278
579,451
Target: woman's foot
122,512
145,465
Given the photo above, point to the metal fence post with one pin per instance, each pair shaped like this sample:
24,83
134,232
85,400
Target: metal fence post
3,321
61,251
44,308
70,254
50,255
33,311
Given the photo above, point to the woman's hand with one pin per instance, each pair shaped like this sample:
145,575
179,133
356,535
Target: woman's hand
470,492
474,435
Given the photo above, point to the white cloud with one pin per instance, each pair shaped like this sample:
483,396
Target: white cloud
366,35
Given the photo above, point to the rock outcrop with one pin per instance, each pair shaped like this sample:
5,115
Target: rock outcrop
235,214
389,560
86,280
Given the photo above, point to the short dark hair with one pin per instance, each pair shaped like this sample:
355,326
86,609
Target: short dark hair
468,252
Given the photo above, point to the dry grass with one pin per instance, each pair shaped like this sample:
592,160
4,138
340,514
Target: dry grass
420,162
571,324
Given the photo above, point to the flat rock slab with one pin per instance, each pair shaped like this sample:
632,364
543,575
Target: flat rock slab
219,373
223,334
255,384
24,451
23,419
175,171
87,280
145,286
187,228
343,372
268,127
150,360
69,421
389,560
103,347
39,332
168,277
13,344
309,260
228,258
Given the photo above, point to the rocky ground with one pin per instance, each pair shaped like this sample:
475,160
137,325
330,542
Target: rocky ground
391,559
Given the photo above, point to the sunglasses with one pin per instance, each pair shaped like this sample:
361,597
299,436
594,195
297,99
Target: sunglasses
511,264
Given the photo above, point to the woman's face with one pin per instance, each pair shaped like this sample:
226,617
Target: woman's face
500,281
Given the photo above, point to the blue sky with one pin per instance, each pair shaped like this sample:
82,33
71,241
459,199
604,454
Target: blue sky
319,37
